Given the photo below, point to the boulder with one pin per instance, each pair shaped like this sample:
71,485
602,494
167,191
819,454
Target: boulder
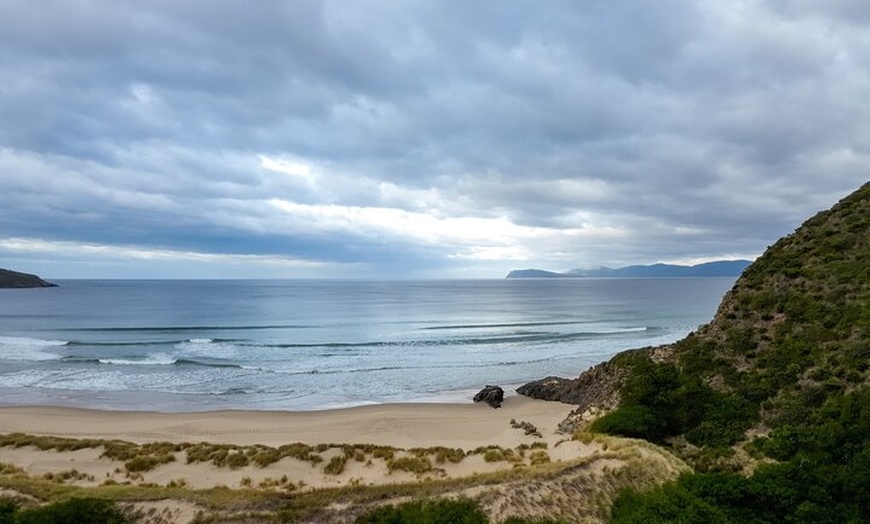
492,395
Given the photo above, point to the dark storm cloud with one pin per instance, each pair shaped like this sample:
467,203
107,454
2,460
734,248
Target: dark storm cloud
467,136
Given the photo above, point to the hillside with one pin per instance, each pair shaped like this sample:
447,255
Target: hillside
14,279
781,374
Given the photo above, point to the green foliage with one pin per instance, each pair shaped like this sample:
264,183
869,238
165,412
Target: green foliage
452,455
539,457
461,511
665,505
142,463
522,520
790,348
630,421
659,401
335,466
8,507
416,465
822,477
72,511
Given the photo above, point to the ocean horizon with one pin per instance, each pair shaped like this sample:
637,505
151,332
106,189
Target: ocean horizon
201,345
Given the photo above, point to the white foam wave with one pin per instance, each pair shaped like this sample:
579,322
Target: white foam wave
629,330
26,348
206,347
159,359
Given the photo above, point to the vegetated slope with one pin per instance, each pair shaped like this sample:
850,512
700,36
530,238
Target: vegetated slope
782,372
793,331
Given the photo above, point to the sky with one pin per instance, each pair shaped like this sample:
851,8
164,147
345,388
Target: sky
420,139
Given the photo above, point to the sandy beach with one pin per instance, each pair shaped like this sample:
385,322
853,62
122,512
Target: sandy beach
279,453
399,425
404,427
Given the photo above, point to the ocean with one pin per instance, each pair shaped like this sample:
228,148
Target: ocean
308,344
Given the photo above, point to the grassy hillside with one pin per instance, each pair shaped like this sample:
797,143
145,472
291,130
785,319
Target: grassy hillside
780,377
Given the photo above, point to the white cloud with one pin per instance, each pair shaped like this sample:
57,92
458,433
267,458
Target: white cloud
66,249
287,167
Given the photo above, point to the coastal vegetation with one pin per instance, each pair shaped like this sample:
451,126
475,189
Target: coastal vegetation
531,488
770,402
72,511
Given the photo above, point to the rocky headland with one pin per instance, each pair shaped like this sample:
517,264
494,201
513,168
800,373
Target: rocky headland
770,397
14,279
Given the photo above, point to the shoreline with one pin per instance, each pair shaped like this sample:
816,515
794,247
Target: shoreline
421,424
162,402
487,441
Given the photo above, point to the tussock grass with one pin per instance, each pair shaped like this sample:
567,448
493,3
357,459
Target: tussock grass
418,465
335,466
280,500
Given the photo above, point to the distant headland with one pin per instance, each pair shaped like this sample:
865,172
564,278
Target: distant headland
14,279
719,268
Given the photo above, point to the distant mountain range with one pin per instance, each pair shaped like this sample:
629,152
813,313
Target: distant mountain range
719,268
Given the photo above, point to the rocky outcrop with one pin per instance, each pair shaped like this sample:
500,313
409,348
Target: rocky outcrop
492,395
594,392
597,386
14,279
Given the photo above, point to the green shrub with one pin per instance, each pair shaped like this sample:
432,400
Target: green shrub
416,465
523,520
494,455
539,457
335,466
237,460
8,507
822,477
73,511
142,463
630,421
461,511
452,455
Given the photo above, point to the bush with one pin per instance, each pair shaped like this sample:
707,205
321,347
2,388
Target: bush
523,520
823,478
630,421
335,466
237,460
416,465
8,507
461,511
73,511
147,462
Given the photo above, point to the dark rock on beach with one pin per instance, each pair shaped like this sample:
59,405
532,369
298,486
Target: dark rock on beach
492,395
14,279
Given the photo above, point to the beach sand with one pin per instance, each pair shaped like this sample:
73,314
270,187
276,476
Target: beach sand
402,426
575,476
399,425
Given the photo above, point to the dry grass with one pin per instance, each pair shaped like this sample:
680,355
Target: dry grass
576,491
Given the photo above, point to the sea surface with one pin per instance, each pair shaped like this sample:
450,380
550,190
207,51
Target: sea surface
308,344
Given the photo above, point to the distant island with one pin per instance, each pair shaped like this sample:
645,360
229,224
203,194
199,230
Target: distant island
719,268
14,279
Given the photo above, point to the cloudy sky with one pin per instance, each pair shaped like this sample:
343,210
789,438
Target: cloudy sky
420,139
